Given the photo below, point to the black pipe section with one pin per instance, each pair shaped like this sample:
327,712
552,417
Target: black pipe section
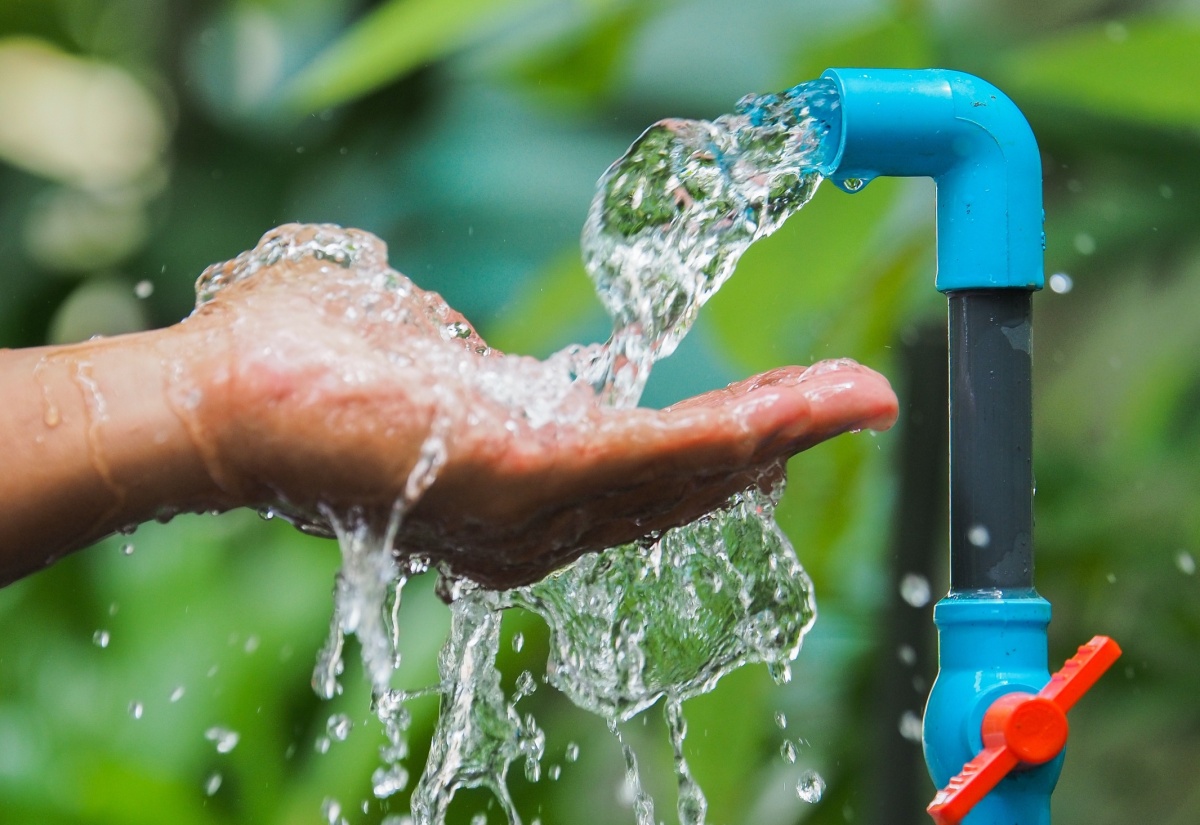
991,441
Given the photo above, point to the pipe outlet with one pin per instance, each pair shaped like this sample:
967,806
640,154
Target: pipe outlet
977,146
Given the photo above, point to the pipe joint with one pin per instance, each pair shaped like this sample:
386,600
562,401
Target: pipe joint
988,647
977,146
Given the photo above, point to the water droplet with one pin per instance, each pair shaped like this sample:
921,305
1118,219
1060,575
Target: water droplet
212,784
143,289
1111,578
810,787
479,819
518,642
177,694
1085,244
136,709
907,655
910,726
781,672
788,751
1061,283
533,769
321,745
526,685
100,638
780,720
554,772
572,754
979,536
339,727
456,329
1166,192
388,781
224,738
127,548
1116,31
251,645
331,809
914,589
1185,563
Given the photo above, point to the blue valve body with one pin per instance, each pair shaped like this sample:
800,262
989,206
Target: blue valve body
988,647
974,142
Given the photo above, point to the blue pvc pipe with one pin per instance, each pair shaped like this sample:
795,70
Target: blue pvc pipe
973,141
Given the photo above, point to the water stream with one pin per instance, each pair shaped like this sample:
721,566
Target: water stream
661,620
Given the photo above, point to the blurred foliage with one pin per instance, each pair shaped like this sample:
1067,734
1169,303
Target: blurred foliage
469,135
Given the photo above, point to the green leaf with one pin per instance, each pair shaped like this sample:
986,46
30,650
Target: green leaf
1144,71
390,42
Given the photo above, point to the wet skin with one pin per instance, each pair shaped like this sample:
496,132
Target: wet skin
270,396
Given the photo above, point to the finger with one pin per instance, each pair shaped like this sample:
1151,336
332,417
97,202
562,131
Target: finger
750,423
781,412
825,384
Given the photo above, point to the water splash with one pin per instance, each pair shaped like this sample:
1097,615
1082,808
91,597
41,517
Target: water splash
691,806
632,625
672,217
641,622
479,733
367,582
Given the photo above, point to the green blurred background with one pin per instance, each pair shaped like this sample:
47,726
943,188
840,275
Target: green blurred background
141,140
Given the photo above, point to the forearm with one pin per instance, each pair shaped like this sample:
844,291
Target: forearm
96,437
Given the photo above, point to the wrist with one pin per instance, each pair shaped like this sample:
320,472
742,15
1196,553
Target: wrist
136,397
96,444
161,383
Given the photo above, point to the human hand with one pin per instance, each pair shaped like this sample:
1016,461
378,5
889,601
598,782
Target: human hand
330,382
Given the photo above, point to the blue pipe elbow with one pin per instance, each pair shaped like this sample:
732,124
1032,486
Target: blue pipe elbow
977,146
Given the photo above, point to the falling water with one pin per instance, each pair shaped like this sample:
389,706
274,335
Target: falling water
637,623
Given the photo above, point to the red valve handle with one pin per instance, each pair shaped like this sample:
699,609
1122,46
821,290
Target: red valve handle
1023,729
